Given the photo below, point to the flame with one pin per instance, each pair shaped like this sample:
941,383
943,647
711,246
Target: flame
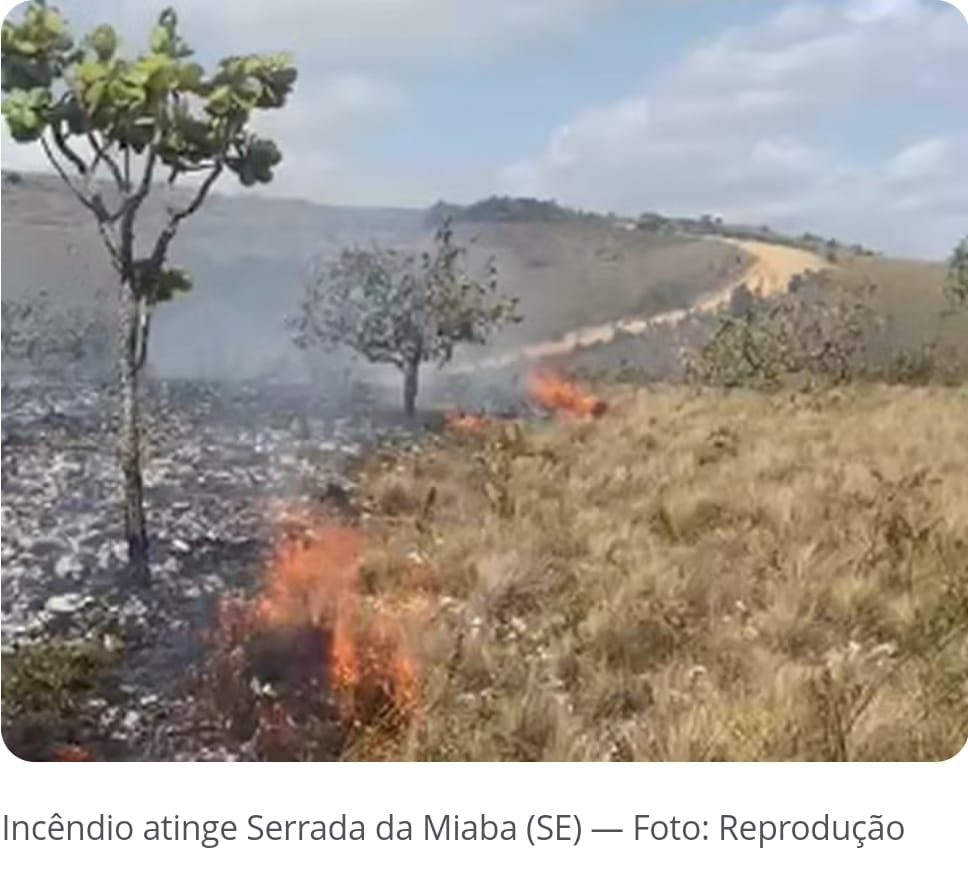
321,643
72,753
552,391
468,424
312,578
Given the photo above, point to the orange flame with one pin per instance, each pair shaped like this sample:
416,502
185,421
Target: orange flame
311,608
72,753
468,424
312,579
553,392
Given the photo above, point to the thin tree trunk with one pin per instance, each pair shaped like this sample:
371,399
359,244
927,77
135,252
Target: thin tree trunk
411,373
130,440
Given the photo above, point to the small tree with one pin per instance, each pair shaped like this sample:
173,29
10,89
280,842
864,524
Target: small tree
109,127
402,309
958,273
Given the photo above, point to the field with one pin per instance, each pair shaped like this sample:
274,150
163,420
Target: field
649,569
693,576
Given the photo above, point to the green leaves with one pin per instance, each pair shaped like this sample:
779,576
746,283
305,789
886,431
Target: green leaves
158,286
160,97
43,32
165,39
169,283
103,41
248,82
36,50
159,104
26,113
255,161
221,102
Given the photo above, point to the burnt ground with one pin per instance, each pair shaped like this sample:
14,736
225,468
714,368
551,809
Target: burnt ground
217,457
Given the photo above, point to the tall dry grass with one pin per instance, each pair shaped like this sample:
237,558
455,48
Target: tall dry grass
695,576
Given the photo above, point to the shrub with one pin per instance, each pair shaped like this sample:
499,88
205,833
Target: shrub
820,331
759,342
46,689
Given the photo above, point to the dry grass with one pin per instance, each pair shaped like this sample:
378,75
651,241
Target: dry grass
693,577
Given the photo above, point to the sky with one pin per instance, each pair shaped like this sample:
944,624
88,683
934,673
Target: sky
842,117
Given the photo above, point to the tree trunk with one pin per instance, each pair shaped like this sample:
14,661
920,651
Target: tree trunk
130,440
410,385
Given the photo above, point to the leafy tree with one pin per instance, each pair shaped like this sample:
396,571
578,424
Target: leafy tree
958,273
112,128
402,309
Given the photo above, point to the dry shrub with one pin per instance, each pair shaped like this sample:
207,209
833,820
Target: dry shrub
47,691
874,320
825,329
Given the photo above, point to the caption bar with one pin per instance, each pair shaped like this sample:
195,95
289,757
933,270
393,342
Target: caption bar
536,829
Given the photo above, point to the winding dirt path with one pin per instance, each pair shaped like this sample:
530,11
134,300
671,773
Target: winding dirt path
770,274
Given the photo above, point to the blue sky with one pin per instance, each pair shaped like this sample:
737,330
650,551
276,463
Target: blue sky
847,117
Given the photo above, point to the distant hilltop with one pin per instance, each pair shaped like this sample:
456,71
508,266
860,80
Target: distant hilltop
715,226
500,208
503,208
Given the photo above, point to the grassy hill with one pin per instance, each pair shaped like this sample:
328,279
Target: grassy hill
690,573
721,576
903,326
573,274
248,257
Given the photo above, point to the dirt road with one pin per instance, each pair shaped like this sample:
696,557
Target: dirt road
770,274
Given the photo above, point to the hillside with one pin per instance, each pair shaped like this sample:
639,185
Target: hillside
248,257
767,269
535,588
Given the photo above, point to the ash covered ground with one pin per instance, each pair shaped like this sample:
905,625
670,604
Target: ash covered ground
218,458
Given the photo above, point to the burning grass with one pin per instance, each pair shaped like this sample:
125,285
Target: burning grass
468,424
695,577
311,664
554,392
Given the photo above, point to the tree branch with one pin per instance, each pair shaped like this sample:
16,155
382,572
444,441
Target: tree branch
101,154
94,206
66,150
214,173
149,170
176,217
91,202
129,211
109,244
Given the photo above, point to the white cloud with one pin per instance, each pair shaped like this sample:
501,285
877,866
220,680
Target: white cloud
921,161
751,124
333,109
